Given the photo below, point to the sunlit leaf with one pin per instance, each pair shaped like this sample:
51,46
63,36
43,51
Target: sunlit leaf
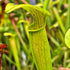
67,38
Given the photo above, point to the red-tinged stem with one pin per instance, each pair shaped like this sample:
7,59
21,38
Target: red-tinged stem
48,33
52,40
18,33
0,63
2,15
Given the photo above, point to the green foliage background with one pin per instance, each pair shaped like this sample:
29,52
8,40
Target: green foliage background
14,33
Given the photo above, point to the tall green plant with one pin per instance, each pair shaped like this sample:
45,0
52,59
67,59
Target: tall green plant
46,2
13,48
37,35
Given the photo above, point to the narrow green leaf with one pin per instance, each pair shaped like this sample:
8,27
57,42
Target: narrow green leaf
46,2
59,20
68,22
8,59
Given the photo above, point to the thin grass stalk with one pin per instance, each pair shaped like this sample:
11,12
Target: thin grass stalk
65,57
41,1
46,2
68,19
59,20
51,38
10,52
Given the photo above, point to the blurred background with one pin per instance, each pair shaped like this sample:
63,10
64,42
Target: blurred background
13,33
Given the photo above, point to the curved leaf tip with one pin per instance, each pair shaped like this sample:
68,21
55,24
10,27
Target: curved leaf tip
67,38
38,14
9,6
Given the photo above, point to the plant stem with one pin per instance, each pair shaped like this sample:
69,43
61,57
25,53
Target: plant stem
2,14
18,33
59,20
68,22
46,2
14,50
51,38
41,1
